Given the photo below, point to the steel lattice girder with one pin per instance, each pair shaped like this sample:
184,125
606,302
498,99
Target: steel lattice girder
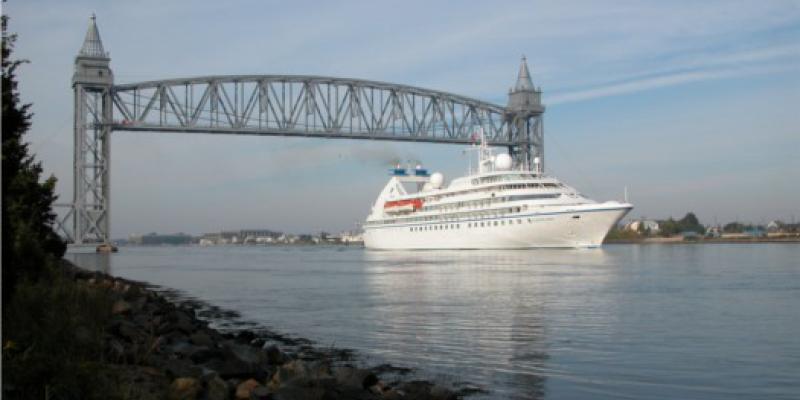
310,106
91,167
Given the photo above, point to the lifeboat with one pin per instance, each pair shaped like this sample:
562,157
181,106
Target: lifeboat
402,206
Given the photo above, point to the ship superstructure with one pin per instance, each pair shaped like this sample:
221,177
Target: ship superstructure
496,206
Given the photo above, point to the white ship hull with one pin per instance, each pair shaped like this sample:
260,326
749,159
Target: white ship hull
574,227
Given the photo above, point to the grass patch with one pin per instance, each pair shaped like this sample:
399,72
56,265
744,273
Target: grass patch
54,339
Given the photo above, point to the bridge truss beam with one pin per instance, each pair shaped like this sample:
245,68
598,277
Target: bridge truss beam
308,106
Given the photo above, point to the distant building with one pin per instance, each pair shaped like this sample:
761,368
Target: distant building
258,233
713,232
775,226
647,225
352,237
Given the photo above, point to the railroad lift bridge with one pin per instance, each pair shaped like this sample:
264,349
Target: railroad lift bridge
271,105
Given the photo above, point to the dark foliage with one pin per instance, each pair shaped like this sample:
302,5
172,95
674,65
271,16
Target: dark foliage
29,243
689,223
734,227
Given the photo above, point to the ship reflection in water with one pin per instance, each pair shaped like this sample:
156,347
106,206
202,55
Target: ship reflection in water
475,315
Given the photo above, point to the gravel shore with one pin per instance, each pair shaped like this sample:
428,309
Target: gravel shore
166,345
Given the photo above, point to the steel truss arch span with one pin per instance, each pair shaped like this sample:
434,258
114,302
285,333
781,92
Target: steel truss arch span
310,106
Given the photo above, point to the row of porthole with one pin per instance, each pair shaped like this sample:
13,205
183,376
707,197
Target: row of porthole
469,225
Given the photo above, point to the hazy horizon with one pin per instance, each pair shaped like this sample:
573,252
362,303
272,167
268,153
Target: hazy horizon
688,105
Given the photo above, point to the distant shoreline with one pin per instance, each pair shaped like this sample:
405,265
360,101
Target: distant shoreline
680,240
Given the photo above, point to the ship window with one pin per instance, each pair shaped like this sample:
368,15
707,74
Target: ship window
519,221
481,223
495,223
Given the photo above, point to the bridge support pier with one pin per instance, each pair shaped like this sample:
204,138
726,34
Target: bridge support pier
528,135
92,82
524,115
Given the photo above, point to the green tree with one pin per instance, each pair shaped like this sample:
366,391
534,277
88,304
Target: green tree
733,227
669,227
690,223
29,242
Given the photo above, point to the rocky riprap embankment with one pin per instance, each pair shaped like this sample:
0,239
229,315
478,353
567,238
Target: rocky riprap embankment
163,350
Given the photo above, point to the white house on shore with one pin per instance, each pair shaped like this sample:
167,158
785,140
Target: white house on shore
643,224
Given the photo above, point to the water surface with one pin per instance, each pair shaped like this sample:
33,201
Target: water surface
716,321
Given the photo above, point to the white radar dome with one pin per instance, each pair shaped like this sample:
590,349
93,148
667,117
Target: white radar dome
502,162
437,179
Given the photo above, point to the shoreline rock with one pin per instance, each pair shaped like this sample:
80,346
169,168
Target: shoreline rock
204,352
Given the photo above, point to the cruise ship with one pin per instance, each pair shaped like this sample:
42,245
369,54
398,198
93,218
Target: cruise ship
496,206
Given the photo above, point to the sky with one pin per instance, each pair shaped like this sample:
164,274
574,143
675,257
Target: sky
693,106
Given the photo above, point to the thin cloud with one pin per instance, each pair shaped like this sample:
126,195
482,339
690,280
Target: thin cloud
677,78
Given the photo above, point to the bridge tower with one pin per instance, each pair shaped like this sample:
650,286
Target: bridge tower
524,115
92,81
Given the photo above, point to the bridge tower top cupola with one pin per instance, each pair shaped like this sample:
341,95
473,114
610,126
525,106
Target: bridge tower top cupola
524,99
92,64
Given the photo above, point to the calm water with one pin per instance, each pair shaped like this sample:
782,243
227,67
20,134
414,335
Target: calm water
627,321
